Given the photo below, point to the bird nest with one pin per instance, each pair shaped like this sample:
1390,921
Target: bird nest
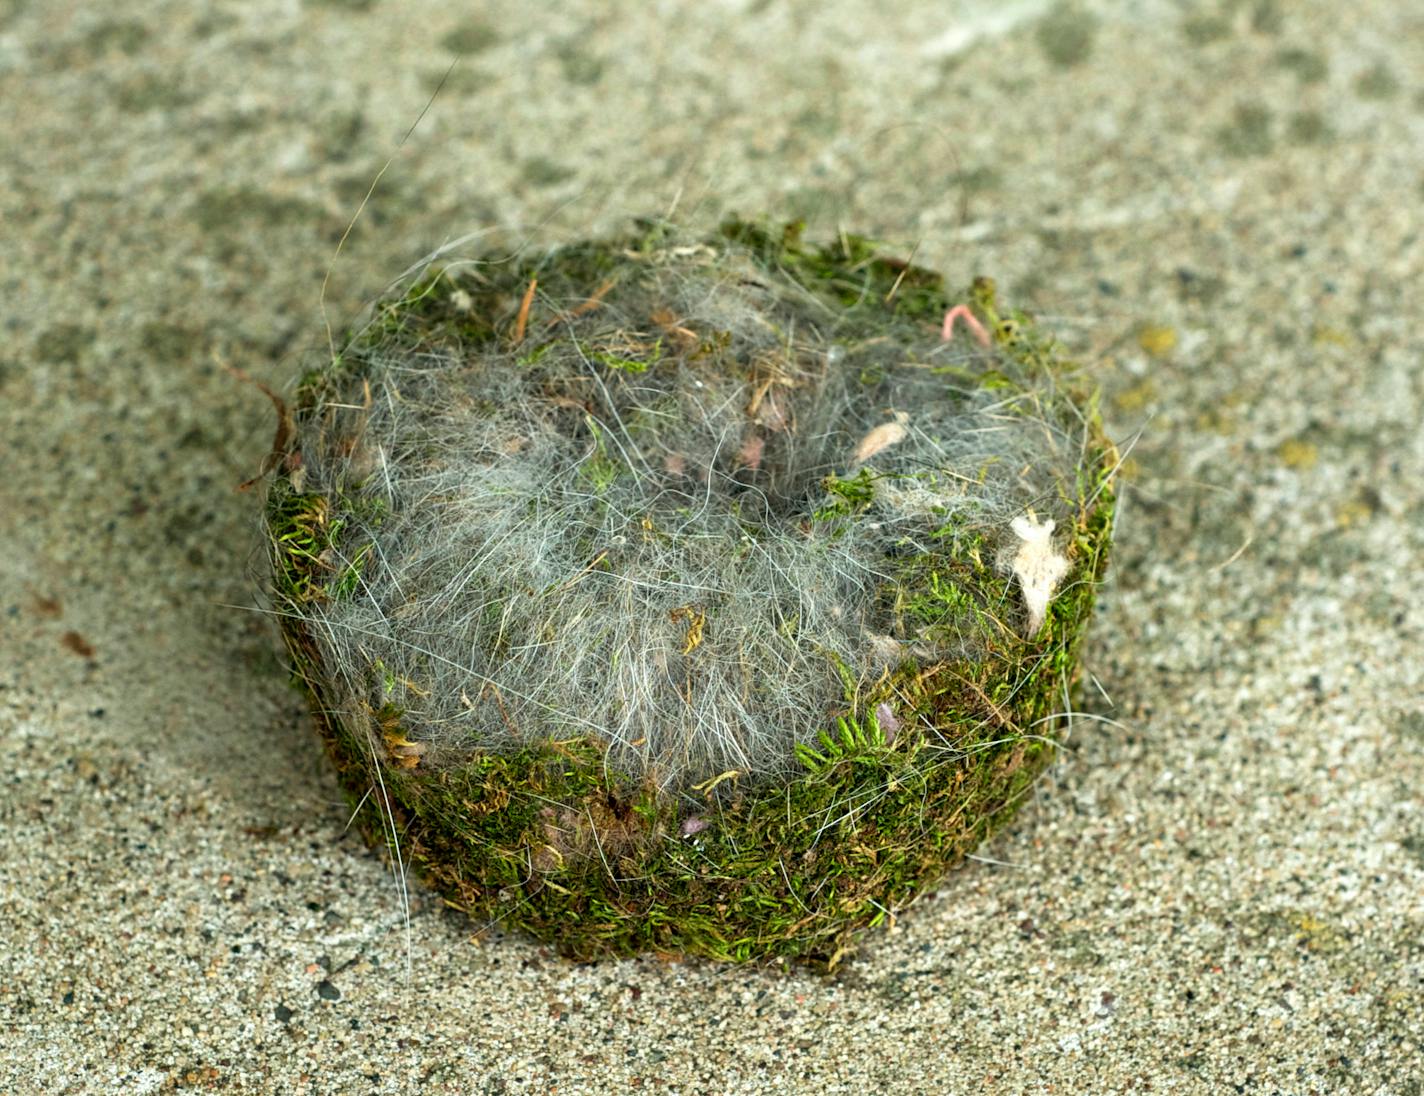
689,595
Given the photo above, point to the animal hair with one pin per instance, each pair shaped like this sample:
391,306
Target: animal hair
663,505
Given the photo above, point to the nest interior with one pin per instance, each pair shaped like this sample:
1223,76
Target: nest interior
668,594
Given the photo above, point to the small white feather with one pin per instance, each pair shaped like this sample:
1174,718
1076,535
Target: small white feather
1038,566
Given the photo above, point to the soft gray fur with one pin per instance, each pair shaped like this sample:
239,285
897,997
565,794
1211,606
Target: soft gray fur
550,532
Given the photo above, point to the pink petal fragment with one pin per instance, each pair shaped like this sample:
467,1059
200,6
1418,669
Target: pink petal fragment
694,824
961,311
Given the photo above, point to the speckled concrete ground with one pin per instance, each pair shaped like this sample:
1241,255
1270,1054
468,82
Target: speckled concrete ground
1217,204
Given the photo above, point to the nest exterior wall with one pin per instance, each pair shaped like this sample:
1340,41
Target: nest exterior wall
908,762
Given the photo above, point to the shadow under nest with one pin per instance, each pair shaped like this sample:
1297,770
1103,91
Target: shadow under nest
658,594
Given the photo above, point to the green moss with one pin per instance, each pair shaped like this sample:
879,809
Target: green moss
550,839
299,525
849,496
547,841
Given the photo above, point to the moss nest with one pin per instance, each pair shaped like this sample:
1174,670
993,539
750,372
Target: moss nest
689,595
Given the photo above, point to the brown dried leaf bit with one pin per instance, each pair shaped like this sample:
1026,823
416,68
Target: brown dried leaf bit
286,428
696,620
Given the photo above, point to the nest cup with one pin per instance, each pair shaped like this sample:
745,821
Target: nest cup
688,595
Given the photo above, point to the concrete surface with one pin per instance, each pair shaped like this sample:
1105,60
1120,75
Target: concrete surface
1217,204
